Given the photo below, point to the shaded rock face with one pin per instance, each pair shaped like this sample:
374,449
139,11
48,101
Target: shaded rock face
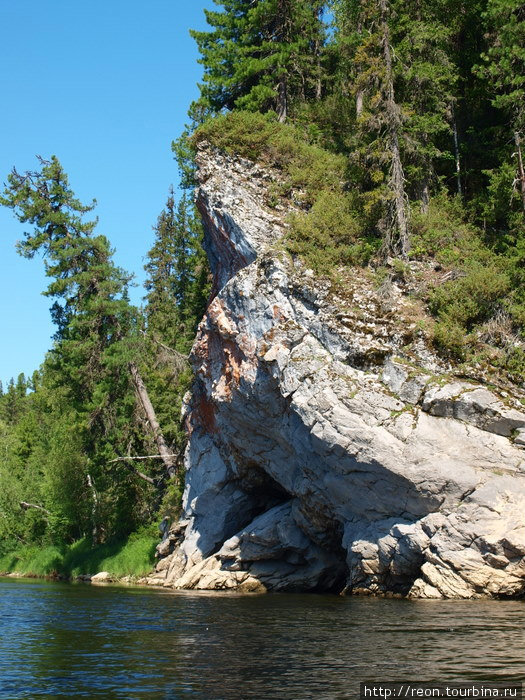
321,456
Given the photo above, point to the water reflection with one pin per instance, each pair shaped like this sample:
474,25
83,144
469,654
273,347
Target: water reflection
64,641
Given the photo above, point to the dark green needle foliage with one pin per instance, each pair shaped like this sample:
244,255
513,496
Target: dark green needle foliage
84,401
261,55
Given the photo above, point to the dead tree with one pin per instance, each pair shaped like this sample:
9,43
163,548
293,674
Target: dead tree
168,459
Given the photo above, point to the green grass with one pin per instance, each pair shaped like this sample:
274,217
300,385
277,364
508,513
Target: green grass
306,169
131,557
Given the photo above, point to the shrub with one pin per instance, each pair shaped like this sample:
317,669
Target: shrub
328,236
473,297
441,233
261,138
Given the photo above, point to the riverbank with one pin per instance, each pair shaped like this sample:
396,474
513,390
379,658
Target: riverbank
125,560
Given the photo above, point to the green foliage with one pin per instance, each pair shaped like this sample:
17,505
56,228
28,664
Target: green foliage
263,139
478,282
133,556
330,234
472,298
442,234
504,61
259,56
171,505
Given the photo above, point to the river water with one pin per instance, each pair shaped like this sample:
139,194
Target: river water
62,640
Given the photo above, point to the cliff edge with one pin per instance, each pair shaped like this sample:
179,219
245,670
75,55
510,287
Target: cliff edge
331,449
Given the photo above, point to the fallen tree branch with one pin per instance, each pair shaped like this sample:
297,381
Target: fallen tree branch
27,506
125,459
135,471
142,393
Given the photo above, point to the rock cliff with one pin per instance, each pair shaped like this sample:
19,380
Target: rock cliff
329,448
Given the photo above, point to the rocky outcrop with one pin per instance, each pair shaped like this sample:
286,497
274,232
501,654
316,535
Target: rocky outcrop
329,448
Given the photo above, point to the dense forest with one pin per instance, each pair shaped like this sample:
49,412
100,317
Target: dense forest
398,128
92,443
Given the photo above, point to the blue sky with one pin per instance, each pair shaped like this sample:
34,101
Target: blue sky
105,86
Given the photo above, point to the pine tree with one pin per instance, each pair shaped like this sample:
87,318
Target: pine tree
260,56
87,371
504,70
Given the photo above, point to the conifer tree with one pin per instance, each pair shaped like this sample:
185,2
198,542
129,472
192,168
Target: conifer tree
91,310
175,263
379,121
260,55
399,70
177,289
503,68
426,80
87,370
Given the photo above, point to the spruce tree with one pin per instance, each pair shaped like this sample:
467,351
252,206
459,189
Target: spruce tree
503,68
260,56
86,372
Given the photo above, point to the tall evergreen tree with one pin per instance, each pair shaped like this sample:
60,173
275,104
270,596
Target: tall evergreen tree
87,370
260,55
503,68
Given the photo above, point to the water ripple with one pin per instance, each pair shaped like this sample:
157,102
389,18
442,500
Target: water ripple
78,641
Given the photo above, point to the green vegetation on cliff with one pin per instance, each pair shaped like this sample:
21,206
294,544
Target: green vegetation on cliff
401,138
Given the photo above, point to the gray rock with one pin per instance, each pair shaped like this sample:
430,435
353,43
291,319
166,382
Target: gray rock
102,577
476,406
520,437
315,459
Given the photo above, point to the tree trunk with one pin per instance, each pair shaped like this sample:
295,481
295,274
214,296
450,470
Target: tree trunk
360,96
397,178
283,19
318,81
94,508
282,100
359,103
165,454
456,152
521,170
425,196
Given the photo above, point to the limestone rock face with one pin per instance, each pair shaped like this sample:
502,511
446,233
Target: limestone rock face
323,454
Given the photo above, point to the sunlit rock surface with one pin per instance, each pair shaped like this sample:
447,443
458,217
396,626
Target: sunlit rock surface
323,454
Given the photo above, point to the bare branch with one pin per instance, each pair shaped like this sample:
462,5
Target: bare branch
27,506
135,470
125,459
142,393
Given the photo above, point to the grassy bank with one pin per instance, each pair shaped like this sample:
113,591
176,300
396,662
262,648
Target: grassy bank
131,557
